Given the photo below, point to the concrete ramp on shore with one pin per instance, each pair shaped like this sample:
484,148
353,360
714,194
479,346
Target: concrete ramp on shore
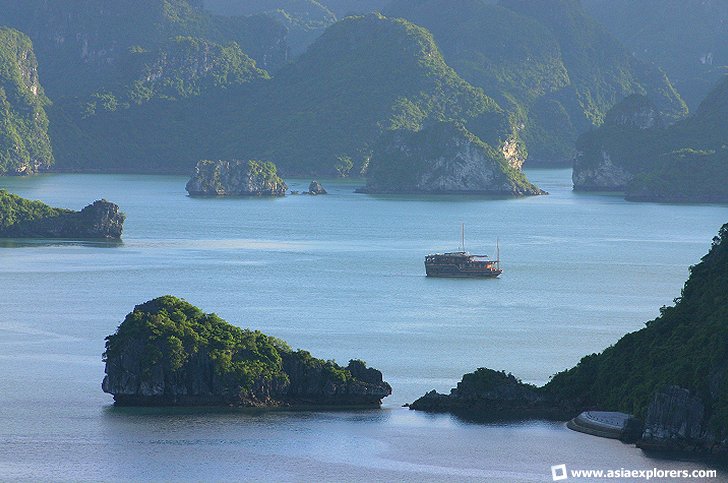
607,424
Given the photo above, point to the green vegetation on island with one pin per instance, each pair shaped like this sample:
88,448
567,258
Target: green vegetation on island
25,147
304,20
172,331
330,105
15,209
168,352
21,218
184,67
446,158
85,46
158,90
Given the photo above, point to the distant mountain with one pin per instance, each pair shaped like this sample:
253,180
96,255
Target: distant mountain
365,75
305,20
687,161
548,62
343,8
25,147
183,67
303,9
84,46
687,38
299,8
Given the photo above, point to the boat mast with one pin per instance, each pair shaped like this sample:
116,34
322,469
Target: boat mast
462,237
497,252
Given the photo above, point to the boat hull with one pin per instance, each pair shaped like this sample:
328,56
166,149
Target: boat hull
455,272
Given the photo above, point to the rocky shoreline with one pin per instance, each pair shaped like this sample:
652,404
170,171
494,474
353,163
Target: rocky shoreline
34,219
674,423
487,395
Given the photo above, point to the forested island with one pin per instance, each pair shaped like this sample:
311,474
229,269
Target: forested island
21,218
168,352
672,374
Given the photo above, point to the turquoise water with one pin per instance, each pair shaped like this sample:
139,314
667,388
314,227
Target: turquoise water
342,276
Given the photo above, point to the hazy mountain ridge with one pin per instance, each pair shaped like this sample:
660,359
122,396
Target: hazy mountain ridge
687,38
124,87
183,67
548,62
304,20
333,102
84,46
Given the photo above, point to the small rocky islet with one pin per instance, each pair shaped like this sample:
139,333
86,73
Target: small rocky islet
22,218
315,188
167,352
236,178
242,178
671,375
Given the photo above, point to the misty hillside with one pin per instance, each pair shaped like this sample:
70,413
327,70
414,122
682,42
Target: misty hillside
687,38
548,62
155,86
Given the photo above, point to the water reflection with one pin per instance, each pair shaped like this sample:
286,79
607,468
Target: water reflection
47,242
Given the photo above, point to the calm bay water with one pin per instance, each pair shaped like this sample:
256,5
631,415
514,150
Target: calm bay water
341,276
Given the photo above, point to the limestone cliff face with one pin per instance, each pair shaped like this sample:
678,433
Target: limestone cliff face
25,146
167,352
446,158
599,164
299,384
676,420
188,66
236,178
513,153
604,175
310,384
101,219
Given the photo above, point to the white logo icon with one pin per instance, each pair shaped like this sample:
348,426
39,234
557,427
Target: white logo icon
558,472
